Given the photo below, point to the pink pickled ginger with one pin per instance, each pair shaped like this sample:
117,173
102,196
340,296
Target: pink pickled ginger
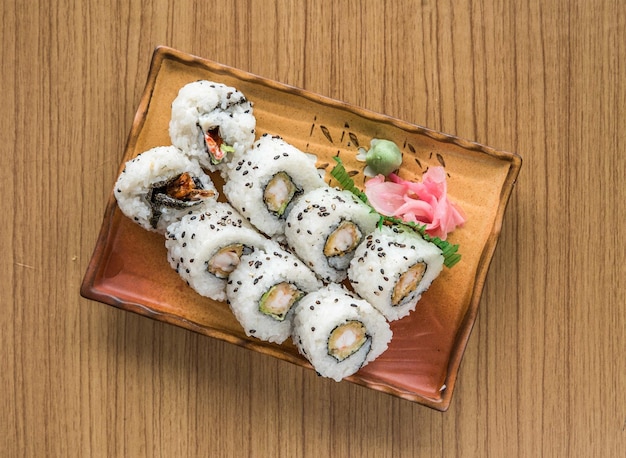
424,202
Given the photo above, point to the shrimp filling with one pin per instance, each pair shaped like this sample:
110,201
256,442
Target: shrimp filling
346,339
225,260
407,283
341,243
279,192
278,300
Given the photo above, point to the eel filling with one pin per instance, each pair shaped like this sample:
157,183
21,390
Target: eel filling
181,191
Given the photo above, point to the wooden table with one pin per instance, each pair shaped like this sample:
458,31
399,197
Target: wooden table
544,373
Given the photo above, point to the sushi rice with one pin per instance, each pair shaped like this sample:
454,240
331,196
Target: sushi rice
205,247
141,189
325,226
263,290
265,181
338,332
392,268
211,122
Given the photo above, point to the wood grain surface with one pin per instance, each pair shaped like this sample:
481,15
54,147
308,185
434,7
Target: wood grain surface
544,373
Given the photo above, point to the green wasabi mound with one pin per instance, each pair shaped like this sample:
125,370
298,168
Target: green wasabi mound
383,157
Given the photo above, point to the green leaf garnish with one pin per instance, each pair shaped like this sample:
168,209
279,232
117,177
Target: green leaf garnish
449,251
345,182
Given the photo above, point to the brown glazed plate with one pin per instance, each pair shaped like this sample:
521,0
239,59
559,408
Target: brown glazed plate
129,269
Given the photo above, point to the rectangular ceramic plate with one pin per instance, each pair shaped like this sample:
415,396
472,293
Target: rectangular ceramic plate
129,269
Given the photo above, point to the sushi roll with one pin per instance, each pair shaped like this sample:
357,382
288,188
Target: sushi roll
263,290
339,333
263,184
212,121
161,185
324,228
204,248
391,269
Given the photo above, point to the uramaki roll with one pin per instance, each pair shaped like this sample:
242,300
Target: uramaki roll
263,290
161,185
324,228
338,332
211,122
204,248
264,182
392,268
